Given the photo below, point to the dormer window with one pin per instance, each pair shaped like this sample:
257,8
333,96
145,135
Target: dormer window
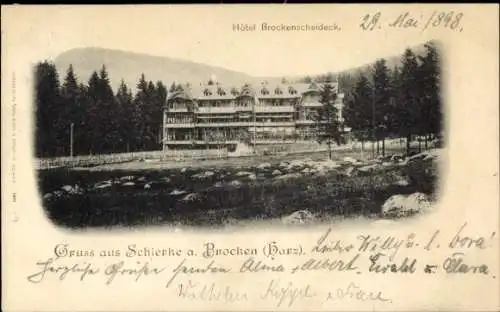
234,92
278,91
207,92
264,91
291,90
221,92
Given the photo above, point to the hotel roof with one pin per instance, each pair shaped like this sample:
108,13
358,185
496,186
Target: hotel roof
264,90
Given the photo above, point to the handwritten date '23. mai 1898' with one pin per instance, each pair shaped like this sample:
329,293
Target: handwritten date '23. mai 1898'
446,20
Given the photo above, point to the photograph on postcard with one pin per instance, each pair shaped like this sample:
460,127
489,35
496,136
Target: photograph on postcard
281,157
125,139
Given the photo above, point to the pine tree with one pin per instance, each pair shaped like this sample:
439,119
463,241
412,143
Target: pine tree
431,114
381,85
408,108
358,110
125,120
94,125
160,103
71,104
140,113
47,99
327,122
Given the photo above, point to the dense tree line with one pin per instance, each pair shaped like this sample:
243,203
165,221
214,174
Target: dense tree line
402,102
99,120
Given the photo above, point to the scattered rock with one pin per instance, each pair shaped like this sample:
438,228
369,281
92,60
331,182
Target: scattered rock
147,186
141,179
183,169
203,175
397,157
351,171
177,192
243,173
401,205
127,178
190,197
368,168
70,189
235,183
306,170
218,184
299,217
166,179
48,196
252,176
288,176
264,166
128,183
103,185
67,188
276,172
58,193
351,160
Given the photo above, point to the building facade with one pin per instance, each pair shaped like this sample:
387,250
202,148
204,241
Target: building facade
214,116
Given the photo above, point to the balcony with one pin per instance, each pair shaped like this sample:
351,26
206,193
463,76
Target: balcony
223,124
274,109
180,125
219,110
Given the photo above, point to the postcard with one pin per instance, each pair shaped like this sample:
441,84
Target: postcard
292,157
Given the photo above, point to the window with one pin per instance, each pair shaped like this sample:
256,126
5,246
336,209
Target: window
264,91
207,92
278,91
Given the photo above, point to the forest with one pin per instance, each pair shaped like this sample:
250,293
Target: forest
379,103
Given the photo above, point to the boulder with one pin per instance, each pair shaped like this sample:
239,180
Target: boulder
103,185
203,175
351,171
190,197
58,193
284,164
126,178
243,173
252,176
235,183
141,179
183,169
299,217
177,192
351,160
68,189
48,196
288,176
130,183
402,205
369,168
276,172
263,166
217,184
147,186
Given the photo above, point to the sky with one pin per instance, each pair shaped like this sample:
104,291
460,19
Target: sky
205,34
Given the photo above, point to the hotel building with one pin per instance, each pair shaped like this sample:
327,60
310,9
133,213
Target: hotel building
214,116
